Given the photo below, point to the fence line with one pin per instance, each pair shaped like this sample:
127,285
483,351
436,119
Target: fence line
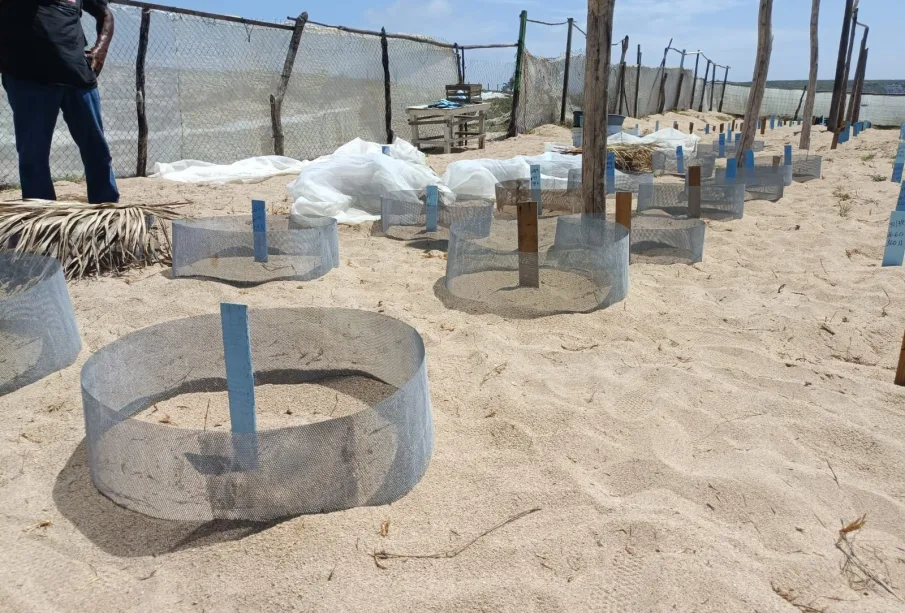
183,84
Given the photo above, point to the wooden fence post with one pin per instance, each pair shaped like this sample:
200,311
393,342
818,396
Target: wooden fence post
276,101
661,101
759,78
833,118
620,85
704,87
593,170
861,53
387,96
141,165
694,79
857,114
681,79
712,86
565,78
808,113
848,65
638,82
519,68
723,93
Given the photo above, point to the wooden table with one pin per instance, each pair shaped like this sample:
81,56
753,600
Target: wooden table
455,124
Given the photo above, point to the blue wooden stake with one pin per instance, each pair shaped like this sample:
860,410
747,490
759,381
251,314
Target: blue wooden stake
787,152
731,170
657,128
722,145
610,172
707,129
738,139
259,228
240,383
536,193
758,124
894,253
749,163
637,129
856,129
772,122
385,149
432,206
680,160
902,132
900,205
899,164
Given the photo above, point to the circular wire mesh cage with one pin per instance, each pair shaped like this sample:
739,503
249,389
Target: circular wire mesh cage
806,167
342,407
404,214
580,265
625,182
557,196
223,248
38,333
667,162
659,238
719,202
766,182
732,149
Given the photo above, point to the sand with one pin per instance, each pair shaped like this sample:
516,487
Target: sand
695,448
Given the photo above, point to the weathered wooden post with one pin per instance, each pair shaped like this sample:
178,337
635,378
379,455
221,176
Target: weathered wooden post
624,209
565,78
517,85
723,93
694,191
900,370
712,87
661,101
861,53
759,78
681,79
833,117
848,65
387,96
694,79
528,273
704,87
276,101
638,82
620,83
593,171
141,165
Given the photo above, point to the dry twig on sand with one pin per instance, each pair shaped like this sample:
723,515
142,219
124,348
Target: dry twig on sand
789,596
859,576
385,555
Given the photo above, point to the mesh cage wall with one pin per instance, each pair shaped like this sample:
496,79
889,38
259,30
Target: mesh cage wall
582,265
403,215
719,202
366,458
38,333
625,182
222,248
732,149
667,162
663,239
557,195
768,182
542,93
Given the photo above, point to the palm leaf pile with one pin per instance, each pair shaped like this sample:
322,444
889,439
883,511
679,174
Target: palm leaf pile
88,239
629,158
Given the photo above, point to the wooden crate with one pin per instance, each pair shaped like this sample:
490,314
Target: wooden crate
472,93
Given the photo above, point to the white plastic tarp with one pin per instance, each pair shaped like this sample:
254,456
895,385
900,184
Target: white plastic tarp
479,177
252,170
667,138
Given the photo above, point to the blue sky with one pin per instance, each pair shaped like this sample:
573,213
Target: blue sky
724,29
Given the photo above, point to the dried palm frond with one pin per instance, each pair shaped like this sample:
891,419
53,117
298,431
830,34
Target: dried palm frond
88,238
629,158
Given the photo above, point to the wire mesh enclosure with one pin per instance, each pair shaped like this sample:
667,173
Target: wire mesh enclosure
557,195
732,150
806,167
223,248
667,162
309,454
767,182
625,182
719,202
664,239
404,215
581,264
38,333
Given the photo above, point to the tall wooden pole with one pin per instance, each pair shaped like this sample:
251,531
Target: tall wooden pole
681,78
694,79
808,115
661,101
276,101
596,79
759,78
141,166
387,97
723,93
838,84
704,87
517,85
565,78
638,82
861,53
857,115
620,82
712,86
848,65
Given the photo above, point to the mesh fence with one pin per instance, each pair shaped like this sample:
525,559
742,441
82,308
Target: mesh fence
663,239
581,265
667,162
625,182
38,333
368,447
404,216
557,196
720,202
223,248
732,149
767,182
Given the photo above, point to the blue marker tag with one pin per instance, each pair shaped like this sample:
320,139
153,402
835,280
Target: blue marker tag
535,187
749,163
707,129
900,154
772,121
787,152
657,128
894,253
680,160
240,382
610,172
900,205
722,145
432,205
259,229
856,128
731,170
902,132
897,169
385,149
738,139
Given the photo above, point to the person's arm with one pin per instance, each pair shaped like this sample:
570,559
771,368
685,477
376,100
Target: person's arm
104,17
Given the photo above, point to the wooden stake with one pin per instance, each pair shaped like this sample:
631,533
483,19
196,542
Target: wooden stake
528,273
723,91
620,83
848,65
597,74
900,371
777,160
624,209
565,78
838,85
694,79
694,191
387,100
858,76
276,100
763,125
675,125
517,84
141,166
704,87
638,83
691,127
759,78
677,106
721,128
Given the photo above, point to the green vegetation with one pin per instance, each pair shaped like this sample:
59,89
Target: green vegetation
878,178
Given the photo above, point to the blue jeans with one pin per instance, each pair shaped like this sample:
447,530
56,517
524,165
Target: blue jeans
35,110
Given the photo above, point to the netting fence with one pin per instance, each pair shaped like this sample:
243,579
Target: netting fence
209,80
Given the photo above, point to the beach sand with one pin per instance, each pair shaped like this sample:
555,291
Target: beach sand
694,448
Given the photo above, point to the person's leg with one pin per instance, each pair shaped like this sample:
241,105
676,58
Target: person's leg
82,112
35,109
